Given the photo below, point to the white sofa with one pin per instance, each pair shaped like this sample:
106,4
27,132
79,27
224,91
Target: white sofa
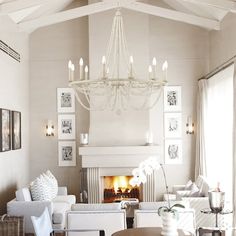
23,205
108,217
147,216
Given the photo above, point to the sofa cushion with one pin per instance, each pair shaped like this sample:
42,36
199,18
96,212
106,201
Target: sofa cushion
23,194
157,205
203,186
52,181
188,185
40,190
96,207
70,199
59,212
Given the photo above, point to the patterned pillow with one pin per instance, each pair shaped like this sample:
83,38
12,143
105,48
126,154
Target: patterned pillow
52,182
40,190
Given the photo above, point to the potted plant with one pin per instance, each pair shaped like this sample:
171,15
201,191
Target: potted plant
168,213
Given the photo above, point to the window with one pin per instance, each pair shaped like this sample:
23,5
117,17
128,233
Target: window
219,129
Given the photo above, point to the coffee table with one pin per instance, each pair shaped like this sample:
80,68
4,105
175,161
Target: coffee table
147,231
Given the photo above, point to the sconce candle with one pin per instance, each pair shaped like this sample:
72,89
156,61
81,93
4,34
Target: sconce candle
190,125
49,128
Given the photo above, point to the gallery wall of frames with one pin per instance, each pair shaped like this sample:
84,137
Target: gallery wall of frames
10,130
66,127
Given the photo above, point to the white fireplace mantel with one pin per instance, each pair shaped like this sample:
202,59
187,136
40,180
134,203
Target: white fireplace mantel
116,156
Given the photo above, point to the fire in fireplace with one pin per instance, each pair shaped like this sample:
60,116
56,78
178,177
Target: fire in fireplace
117,188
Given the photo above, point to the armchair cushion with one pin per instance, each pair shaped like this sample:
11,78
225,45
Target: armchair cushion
59,209
70,199
23,194
96,207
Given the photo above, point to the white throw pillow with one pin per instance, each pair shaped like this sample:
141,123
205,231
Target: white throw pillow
40,190
52,182
188,186
194,191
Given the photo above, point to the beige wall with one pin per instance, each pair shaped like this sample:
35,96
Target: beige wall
222,43
50,50
185,47
14,95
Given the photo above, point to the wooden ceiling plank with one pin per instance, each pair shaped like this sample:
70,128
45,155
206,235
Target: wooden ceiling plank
67,15
222,4
14,6
174,15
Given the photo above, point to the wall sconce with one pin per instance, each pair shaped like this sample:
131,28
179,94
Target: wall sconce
190,126
84,139
49,128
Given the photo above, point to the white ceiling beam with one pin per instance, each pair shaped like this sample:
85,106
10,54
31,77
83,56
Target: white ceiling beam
67,15
18,5
174,15
222,4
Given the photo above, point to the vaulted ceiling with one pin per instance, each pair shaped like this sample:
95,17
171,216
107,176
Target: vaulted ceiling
33,14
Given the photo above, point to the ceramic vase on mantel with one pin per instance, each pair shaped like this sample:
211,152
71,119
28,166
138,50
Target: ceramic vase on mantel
169,224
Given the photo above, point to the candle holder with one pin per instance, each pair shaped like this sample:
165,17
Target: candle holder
84,139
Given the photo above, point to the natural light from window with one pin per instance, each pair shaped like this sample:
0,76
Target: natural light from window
219,130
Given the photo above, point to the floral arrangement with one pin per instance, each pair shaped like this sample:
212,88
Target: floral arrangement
146,168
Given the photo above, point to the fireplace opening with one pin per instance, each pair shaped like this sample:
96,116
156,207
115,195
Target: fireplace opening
117,188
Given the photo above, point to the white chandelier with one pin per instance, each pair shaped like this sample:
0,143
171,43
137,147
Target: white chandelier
112,91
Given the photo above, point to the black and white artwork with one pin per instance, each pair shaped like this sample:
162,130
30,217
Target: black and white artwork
172,98
173,125
65,100
5,130
173,151
67,153
66,126
16,130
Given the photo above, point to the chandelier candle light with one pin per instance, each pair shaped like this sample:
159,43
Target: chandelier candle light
117,87
168,213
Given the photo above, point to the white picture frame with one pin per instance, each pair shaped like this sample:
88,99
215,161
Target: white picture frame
173,125
173,151
172,98
65,100
66,126
66,153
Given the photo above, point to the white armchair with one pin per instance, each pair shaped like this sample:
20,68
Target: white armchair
23,205
107,216
147,216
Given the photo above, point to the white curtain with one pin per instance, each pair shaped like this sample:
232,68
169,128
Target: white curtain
214,154
200,164
234,148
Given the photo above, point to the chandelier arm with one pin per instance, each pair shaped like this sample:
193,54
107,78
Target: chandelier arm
124,43
79,100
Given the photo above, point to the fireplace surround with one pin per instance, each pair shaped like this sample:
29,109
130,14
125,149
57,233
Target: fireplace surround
116,161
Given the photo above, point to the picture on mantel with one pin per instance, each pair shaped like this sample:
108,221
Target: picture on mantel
173,151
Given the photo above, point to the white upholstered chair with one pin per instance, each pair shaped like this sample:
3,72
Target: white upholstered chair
147,216
108,216
43,226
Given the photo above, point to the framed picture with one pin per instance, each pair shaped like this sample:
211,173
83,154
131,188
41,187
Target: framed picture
172,98
16,130
65,100
66,126
67,153
173,125
5,127
173,151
